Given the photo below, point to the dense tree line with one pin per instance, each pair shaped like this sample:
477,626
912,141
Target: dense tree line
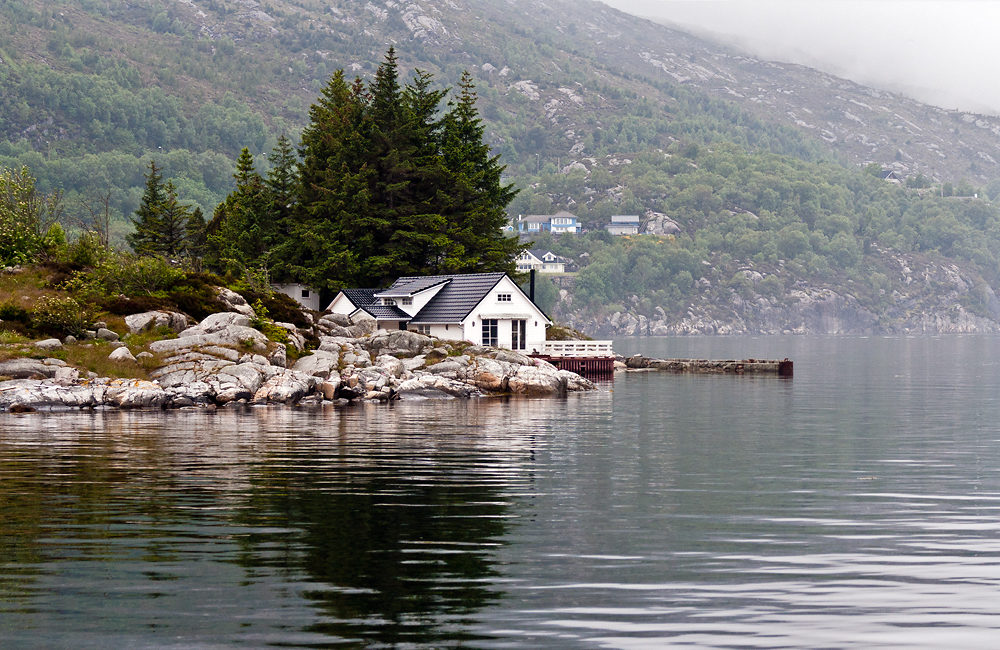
384,186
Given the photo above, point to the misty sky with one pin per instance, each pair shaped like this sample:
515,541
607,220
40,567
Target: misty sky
945,53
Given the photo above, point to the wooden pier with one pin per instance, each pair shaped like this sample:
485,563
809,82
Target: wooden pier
581,357
782,368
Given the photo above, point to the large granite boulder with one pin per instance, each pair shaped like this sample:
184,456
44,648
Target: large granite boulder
26,368
234,301
286,387
231,335
137,323
320,363
135,393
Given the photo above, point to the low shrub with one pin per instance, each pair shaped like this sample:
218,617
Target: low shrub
280,307
124,306
54,315
274,332
11,312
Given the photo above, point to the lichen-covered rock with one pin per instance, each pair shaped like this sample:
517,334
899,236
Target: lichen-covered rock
530,380
229,336
137,323
233,301
136,393
195,393
66,376
278,356
427,385
393,366
286,387
48,344
342,320
249,375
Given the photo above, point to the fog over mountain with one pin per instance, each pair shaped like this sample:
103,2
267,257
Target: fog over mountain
942,53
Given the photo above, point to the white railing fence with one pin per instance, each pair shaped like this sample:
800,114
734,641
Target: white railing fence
577,349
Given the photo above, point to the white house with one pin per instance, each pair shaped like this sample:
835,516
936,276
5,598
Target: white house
624,224
541,261
557,223
305,296
483,308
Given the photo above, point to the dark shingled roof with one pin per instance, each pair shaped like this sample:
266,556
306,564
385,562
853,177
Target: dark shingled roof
457,298
386,312
409,286
361,297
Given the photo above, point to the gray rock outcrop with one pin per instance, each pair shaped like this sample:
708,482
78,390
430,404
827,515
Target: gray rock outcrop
137,323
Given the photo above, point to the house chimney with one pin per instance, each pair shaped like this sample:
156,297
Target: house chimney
531,289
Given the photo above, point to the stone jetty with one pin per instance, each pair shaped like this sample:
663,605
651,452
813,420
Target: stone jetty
782,368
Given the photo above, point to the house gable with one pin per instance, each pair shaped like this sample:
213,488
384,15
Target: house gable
518,306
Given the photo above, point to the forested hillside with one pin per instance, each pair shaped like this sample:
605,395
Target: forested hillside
747,170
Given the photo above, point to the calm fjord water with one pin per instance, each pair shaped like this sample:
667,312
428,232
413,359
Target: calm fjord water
855,506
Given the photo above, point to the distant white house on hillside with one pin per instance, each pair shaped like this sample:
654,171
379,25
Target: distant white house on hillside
483,308
300,293
541,261
624,224
560,222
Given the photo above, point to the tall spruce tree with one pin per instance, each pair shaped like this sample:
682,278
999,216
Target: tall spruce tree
241,229
171,239
329,236
281,183
476,201
161,221
147,217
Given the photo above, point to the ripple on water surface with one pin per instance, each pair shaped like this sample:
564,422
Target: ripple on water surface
855,506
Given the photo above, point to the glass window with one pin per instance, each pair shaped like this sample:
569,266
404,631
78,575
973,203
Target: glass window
305,293
490,332
504,297
407,301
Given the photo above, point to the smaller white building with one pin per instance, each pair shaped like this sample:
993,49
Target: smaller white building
624,224
300,293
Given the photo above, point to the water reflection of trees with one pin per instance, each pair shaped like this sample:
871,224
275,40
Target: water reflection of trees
385,518
393,523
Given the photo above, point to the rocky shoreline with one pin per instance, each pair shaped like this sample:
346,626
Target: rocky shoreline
223,362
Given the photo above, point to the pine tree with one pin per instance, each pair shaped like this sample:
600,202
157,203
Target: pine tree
240,232
147,219
161,220
477,198
172,222
326,240
196,237
281,184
